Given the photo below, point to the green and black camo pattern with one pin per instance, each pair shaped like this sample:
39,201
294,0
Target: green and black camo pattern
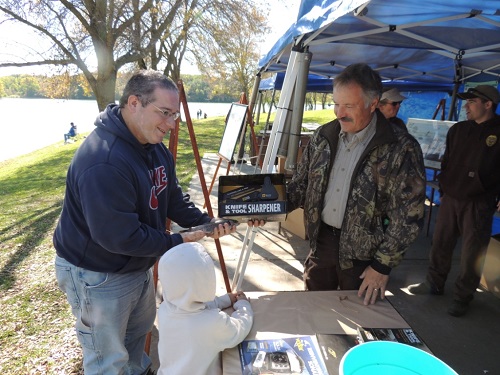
385,209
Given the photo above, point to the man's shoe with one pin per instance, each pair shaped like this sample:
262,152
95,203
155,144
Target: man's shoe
425,288
458,308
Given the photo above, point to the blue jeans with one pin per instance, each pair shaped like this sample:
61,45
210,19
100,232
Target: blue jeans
114,313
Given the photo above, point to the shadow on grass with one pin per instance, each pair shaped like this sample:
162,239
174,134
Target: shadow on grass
44,222
31,200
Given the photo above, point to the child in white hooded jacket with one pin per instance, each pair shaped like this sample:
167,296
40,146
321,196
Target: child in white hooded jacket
192,328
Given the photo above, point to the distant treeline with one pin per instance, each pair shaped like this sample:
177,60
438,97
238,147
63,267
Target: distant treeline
65,86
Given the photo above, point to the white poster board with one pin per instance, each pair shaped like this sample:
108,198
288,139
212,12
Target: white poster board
234,123
431,134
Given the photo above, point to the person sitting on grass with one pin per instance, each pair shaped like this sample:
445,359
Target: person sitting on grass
192,328
72,133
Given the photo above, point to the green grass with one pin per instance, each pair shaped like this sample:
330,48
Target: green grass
37,334
208,134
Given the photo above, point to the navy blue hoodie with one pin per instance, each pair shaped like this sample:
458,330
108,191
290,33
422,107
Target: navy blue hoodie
119,195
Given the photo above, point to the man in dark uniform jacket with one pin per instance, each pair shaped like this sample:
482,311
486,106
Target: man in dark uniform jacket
470,186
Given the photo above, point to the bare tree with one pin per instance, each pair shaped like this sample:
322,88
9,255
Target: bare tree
99,37
228,50
221,36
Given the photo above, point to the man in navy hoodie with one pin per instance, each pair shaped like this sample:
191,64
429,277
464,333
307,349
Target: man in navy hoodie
121,188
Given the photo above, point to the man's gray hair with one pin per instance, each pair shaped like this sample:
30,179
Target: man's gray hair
143,83
367,78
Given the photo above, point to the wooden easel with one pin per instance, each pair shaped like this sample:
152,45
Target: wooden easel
248,121
253,138
441,105
172,145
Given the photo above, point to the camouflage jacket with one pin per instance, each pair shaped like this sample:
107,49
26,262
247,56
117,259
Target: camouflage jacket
385,208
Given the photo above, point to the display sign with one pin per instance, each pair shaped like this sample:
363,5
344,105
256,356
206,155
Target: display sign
249,197
431,134
234,124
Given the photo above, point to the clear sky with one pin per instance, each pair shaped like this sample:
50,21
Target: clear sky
280,18
16,39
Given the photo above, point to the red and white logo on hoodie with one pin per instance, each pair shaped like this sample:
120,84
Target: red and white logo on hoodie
160,182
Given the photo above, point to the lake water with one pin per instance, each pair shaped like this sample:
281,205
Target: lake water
31,124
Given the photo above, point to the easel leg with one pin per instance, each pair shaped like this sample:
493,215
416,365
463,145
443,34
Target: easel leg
244,257
213,180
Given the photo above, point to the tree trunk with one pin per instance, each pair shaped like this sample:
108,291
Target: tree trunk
105,92
106,76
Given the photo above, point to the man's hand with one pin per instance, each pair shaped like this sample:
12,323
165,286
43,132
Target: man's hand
373,284
222,230
192,236
219,231
256,223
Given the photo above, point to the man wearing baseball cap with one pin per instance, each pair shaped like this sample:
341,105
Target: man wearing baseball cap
389,105
470,187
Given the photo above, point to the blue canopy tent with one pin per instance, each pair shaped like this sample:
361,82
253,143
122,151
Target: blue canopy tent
411,43
423,41
426,42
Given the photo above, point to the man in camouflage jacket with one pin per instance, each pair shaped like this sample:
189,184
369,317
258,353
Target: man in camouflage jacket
385,206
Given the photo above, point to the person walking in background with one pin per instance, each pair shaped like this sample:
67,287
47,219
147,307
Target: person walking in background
71,133
192,328
469,184
389,105
121,188
361,183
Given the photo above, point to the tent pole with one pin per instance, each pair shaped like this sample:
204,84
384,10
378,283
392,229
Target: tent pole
259,104
453,105
273,97
281,113
298,112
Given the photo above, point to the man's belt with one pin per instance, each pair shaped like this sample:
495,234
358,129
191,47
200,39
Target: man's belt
335,231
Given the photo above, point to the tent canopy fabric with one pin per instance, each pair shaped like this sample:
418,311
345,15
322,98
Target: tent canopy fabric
424,42
315,83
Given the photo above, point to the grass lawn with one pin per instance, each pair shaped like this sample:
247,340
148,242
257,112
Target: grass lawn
37,335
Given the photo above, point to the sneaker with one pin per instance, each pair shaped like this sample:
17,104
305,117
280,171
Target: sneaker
425,288
458,308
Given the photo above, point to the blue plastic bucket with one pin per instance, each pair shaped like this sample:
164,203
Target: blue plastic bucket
391,358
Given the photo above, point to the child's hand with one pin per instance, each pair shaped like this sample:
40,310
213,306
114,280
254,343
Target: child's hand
233,297
240,295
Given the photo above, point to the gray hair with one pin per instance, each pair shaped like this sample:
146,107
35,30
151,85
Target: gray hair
143,83
367,78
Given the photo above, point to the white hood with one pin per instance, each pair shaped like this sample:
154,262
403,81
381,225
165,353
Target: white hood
187,276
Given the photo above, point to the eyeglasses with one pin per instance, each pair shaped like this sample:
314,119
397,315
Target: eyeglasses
395,103
166,112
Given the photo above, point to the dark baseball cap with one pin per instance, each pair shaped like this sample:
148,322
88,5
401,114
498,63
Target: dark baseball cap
483,92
